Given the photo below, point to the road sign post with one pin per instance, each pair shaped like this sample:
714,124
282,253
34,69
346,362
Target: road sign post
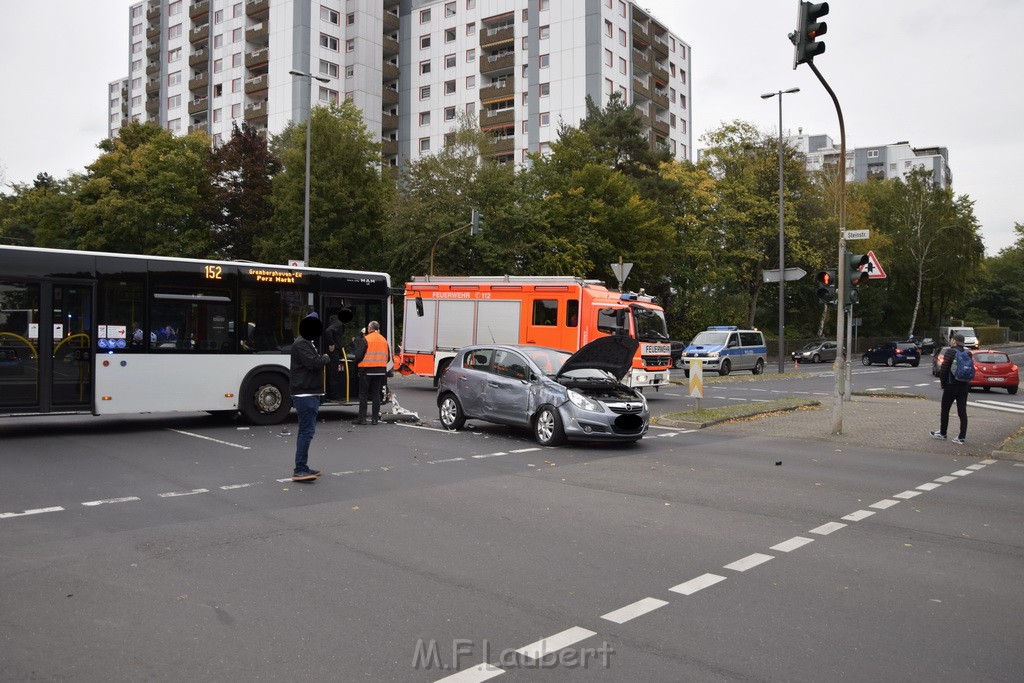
696,366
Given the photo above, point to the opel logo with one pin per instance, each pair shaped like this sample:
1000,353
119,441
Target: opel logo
629,407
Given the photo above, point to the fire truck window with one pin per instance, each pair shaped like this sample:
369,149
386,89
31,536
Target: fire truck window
610,320
545,311
572,314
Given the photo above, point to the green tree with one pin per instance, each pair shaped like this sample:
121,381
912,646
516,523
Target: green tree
1003,295
350,194
40,214
146,194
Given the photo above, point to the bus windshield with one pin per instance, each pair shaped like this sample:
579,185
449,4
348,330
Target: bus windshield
650,324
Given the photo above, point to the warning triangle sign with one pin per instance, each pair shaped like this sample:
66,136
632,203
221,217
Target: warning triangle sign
873,268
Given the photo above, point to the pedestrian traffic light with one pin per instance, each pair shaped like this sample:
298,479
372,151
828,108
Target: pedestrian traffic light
826,286
855,276
476,223
808,30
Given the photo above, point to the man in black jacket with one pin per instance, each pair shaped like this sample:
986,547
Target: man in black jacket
952,390
307,386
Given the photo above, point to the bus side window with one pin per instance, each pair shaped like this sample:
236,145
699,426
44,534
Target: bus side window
572,313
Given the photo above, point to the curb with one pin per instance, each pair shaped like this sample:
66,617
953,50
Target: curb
1008,455
681,424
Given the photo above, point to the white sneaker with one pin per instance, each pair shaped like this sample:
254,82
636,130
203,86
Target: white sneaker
937,435
957,439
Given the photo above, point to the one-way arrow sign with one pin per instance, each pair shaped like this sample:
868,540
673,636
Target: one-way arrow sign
791,274
873,268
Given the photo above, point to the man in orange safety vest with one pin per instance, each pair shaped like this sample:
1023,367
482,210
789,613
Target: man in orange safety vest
372,356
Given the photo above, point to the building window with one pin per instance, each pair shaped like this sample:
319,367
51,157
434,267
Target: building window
174,8
545,61
136,82
449,9
449,61
449,113
682,100
236,10
218,66
174,32
471,28
136,47
471,55
425,16
424,144
216,115
525,127
350,45
174,101
449,35
136,65
218,89
608,31
329,68
872,154
449,87
329,42
545,32
137,101
350,71
545,119
622,66
470,82
424,118
470,4
471,108
543,4
682,75
609,86
425,92
328,95
609,58
545,89
137,12
424,41
174,55
622,37
174,78
236,35
350,19
236,60
526,42
218,40
425,67
622,8
174,125
236,85
329,15
218,16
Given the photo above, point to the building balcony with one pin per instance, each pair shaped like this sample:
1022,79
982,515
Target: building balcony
256,111
389,147
490,64
199,9
497,117
153,31
660,98
153,67
153,105
660,45
257,58
195,128
153,11
390,46
641,59
198,57
199,33
659,126
391,21
660,73
497,35
198,105
503,145
389,96
256,84
258,33
388,122
254,8
200,81
153,86
391,71
502,90
642,87
153,49
124,109
640,32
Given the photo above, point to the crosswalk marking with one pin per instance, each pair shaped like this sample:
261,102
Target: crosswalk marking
1003,406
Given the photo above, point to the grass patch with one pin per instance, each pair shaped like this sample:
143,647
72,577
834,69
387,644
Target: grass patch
887,393
740,410
715,378
1014,443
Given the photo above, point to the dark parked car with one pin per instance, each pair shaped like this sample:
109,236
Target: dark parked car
893,353
677,353
557,395
927,346
937,361
815,352
10,362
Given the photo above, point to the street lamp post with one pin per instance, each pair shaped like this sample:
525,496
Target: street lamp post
782,237
309,122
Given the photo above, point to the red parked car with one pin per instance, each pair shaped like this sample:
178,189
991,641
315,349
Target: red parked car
994,369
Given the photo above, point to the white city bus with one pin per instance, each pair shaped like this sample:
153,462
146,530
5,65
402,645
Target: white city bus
103,333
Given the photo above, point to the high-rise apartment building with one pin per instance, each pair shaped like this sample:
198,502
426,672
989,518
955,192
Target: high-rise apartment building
879,162
411,66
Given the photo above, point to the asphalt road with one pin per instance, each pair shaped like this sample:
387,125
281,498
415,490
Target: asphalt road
170,548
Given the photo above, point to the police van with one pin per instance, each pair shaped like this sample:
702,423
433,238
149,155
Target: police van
724,348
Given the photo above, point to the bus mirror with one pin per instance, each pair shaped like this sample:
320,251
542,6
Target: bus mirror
419,305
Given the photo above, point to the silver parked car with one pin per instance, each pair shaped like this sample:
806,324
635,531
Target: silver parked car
557,395
816,352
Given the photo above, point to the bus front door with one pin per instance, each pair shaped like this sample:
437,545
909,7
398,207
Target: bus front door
71,367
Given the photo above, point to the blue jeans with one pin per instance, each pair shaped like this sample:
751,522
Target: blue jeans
307,408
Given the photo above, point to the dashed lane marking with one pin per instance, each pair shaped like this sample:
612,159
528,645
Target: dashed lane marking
231,487
23,513
926,384
826,529
480,672
490,455
178,494
930,486
858,515
637,609
907,495
111,501
884,504
342,474
946,479
210,438
700,583
552,644
792,544
748,562
437,462
962,473
975,467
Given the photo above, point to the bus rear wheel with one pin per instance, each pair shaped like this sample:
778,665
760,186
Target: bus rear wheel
265,399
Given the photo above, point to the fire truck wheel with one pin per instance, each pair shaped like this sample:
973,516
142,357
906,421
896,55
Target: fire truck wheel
451,413
547,427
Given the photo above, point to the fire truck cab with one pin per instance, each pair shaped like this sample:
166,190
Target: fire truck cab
443,314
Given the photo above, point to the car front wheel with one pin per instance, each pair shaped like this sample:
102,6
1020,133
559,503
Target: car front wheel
890,361
816,359
865,360
724,369
759,367
451,413
547,427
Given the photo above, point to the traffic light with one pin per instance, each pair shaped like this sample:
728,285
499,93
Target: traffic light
855,276
808,30
826,286
476,223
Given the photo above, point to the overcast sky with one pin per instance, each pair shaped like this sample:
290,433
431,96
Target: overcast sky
930,72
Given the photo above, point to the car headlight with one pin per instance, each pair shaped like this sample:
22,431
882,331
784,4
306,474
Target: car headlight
713,354
581,401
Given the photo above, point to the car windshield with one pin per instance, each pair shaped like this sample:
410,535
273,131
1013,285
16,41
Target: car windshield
710,339
991,358
650,324
810,347
549,361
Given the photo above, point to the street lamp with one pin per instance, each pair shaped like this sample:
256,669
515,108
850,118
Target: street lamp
309,121
782,238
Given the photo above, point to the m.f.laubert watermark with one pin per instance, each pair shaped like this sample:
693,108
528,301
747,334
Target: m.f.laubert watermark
431,655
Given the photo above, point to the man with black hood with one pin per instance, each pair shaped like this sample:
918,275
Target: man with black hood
334,337
307,386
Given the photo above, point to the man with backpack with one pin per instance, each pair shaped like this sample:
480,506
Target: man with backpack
955,375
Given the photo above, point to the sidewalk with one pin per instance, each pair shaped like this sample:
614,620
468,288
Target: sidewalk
894,423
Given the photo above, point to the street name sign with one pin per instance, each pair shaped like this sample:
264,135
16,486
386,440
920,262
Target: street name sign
857,234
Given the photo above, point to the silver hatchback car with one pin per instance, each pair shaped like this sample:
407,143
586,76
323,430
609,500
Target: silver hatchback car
557,395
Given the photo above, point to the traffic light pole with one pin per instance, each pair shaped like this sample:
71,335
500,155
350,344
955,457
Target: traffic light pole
848,388
842,363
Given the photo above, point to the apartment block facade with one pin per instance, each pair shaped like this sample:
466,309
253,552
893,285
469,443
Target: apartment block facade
879,162
413,67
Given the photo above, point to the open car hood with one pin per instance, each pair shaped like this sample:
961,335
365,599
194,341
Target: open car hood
612,354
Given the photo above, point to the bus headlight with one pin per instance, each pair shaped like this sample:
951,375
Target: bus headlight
581,401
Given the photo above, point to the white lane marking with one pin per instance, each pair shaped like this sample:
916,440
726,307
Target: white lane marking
902,386
975,467
229,487
907,495
989,462
946,479
341,474
962,473
637,609
429,429
437,462
929,486
554,643
858,515
37,511
108,501
875,389
670,394
884,504
177,494
700,583
989,406
926,384
991,402
490,455
826,529
1018,464
209,438
525,450
743,399
792,544
480,672
748,562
